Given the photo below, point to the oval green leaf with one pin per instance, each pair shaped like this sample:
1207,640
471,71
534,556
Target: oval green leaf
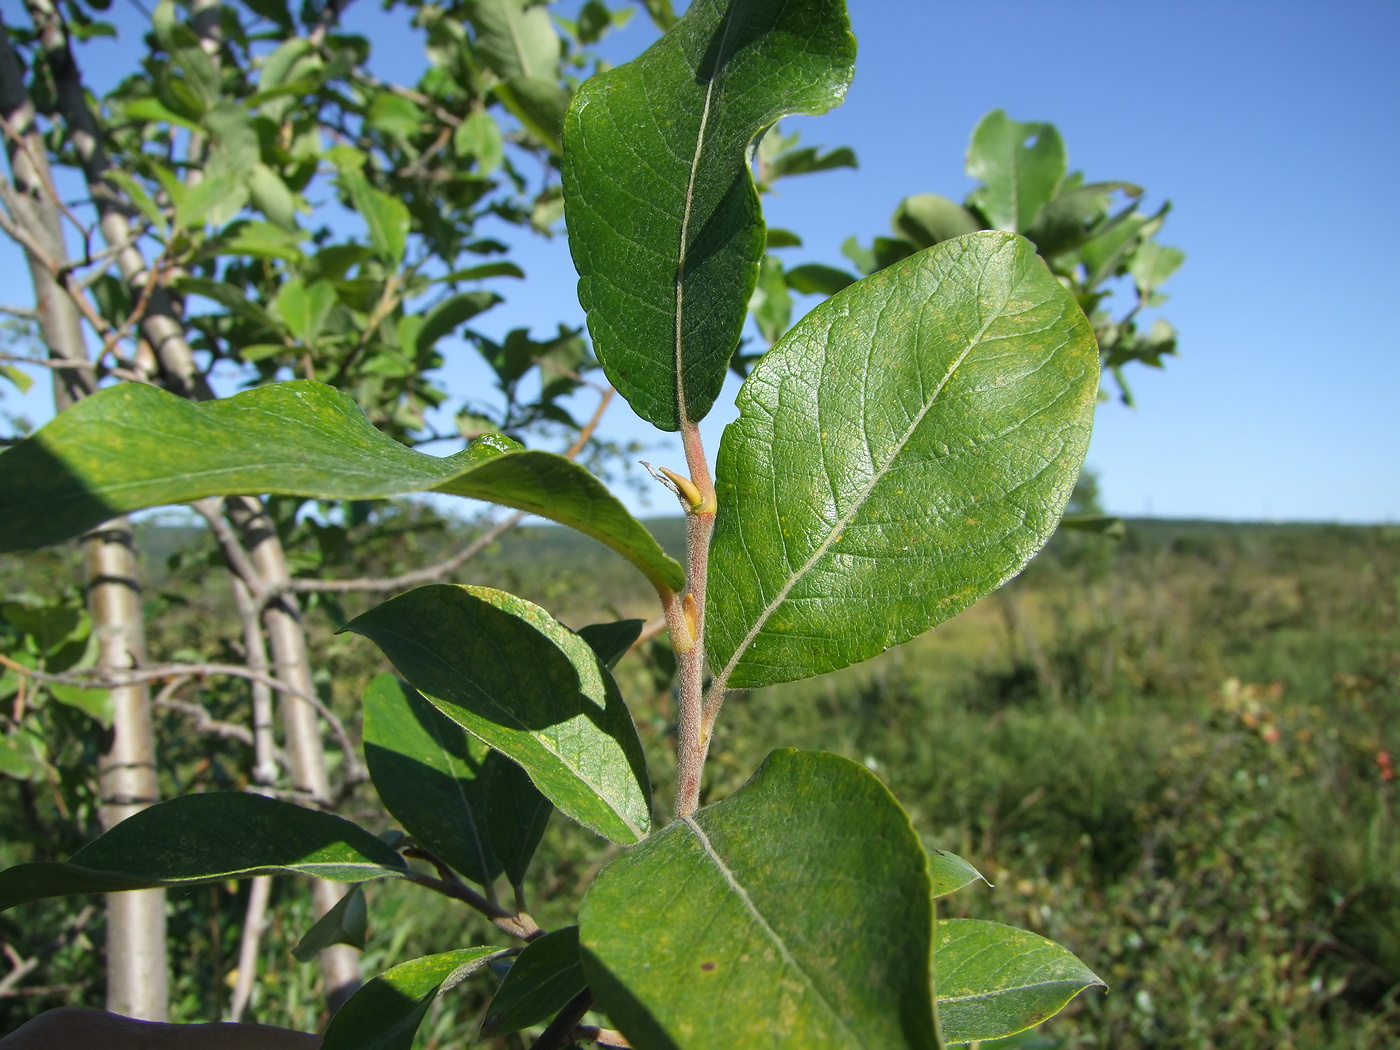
996,980
469,805
207,838
1020,165
346,923
796,912
386,1012
664,221
949,873
902,452
541,981
131,446
526,685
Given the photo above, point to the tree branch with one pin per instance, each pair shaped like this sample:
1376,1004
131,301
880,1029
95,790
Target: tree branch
114,679
521,925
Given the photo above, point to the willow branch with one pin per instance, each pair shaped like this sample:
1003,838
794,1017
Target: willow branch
409,579
517,925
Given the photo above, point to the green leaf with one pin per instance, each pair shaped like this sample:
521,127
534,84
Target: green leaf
152,109
771,303
207,838
133,446
19,378
1020,166
927,219
304,308
526,685
141,199
95,703
227,295
776,238
395,115
385,217
214,200
1152,264
796,912
444,318
262,240
902,452
515,38
442,785
816,279
611,641
1109,525
539,103
664,221
477,273
541,981
809,160
386,1012
346,923
480,137
271,196
995,981
949,873
1065,222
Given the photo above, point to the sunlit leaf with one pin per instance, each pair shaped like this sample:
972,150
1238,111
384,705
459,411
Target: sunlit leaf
663,216
526,685
796,912
995,980
903,451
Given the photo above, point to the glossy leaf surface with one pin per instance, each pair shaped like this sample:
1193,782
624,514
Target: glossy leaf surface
664,221
543,978
386,1012
131,446
796,912
1020,165
995,980
949,873
446,788
902,452
526,685
206,838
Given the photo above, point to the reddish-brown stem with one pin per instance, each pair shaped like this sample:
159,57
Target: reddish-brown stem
685,615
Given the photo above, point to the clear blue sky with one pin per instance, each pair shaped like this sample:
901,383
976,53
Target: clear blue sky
1273,127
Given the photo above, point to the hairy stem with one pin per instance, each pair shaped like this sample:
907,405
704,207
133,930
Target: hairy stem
685,617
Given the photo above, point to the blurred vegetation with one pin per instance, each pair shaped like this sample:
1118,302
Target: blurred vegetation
1171,753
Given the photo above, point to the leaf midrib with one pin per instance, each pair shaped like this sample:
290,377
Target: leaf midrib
778,942
683,412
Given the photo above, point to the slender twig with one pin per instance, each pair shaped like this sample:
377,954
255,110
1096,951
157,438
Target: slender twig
686,619
24,967
450,565
23,313
203,721
560,1032
157,672
254,921
417,576
41,169
521,925
211,510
